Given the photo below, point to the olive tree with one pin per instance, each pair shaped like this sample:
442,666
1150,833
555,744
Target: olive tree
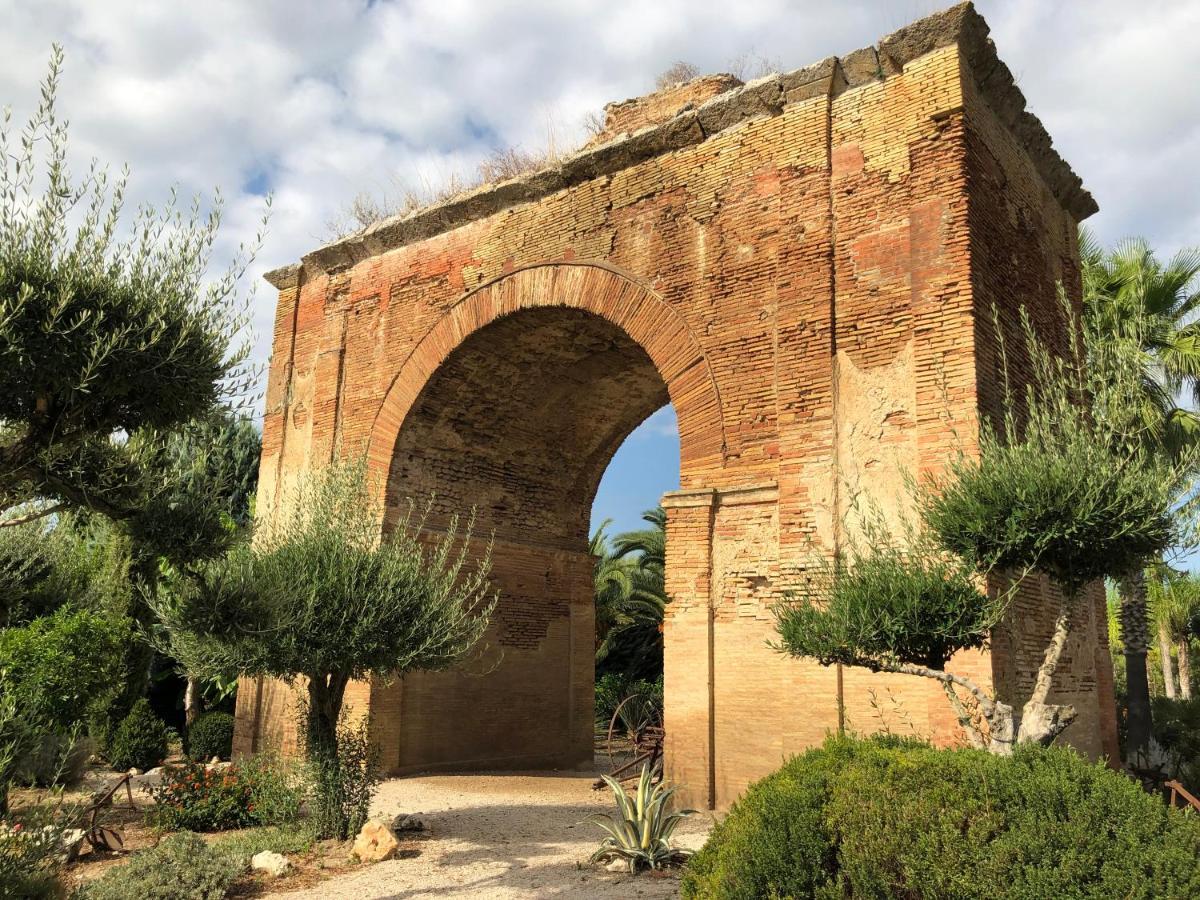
1049,492
208,471
110,332
321,599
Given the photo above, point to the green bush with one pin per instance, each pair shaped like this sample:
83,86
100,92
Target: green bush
59,671
193,797
63,667
613,687
211,735
885,818
243,846
54,758
182,867
140,741
344,784
276,788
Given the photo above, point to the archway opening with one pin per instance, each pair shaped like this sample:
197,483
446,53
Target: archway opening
518,424
629,543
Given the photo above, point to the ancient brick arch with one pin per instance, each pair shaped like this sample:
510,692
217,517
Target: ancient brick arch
593,287
512,405
806,266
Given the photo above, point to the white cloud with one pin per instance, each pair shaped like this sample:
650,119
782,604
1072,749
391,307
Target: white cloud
321,100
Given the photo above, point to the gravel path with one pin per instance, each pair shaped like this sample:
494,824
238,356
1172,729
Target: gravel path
499,836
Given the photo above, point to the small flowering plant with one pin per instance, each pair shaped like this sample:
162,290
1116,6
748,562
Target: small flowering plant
195,797
31,851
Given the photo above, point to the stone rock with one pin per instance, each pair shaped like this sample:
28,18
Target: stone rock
71,841
274,864
135,771
216,760
376,842
616,865
149,778
409,822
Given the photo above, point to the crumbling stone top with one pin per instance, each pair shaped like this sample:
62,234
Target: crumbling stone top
686,114
624,117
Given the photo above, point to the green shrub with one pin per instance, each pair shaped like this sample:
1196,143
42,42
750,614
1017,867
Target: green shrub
613,687
883,818
610,688
140,741
343,785
276,788
182,867
63,667
211,735
55,758
193,797
242,846
58,672
775,840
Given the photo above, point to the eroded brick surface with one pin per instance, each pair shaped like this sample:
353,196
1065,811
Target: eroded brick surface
806,267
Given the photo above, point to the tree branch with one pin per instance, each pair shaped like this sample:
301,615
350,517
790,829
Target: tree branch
33,516
998,715
1054,651
964,717
986,704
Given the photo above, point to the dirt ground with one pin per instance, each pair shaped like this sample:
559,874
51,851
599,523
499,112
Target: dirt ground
499,836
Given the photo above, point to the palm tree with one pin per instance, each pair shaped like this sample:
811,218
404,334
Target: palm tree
650,544
631,596
1175,606
612,582
1139,325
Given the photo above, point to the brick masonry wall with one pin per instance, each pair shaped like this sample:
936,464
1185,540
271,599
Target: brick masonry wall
800,265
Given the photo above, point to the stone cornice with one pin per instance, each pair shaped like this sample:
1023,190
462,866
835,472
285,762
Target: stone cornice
768,96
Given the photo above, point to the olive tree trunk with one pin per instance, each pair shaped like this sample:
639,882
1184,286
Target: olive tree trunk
1038,722
191,702
325,695
1042,722
1135,637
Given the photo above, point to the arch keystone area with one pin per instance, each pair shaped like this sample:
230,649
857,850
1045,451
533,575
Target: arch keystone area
599,288
806,268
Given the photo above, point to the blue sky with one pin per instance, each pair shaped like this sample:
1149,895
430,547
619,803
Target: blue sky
646,466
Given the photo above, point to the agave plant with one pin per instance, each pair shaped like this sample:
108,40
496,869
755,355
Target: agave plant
641,831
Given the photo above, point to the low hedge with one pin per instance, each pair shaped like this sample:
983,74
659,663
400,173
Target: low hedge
886,818
211,735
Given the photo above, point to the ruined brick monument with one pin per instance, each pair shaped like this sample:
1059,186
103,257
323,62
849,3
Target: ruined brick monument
806,267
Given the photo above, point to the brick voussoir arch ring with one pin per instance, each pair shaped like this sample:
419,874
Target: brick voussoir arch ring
598,288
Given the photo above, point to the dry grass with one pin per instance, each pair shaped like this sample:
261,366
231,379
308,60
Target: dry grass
407,195
678,72
751,65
